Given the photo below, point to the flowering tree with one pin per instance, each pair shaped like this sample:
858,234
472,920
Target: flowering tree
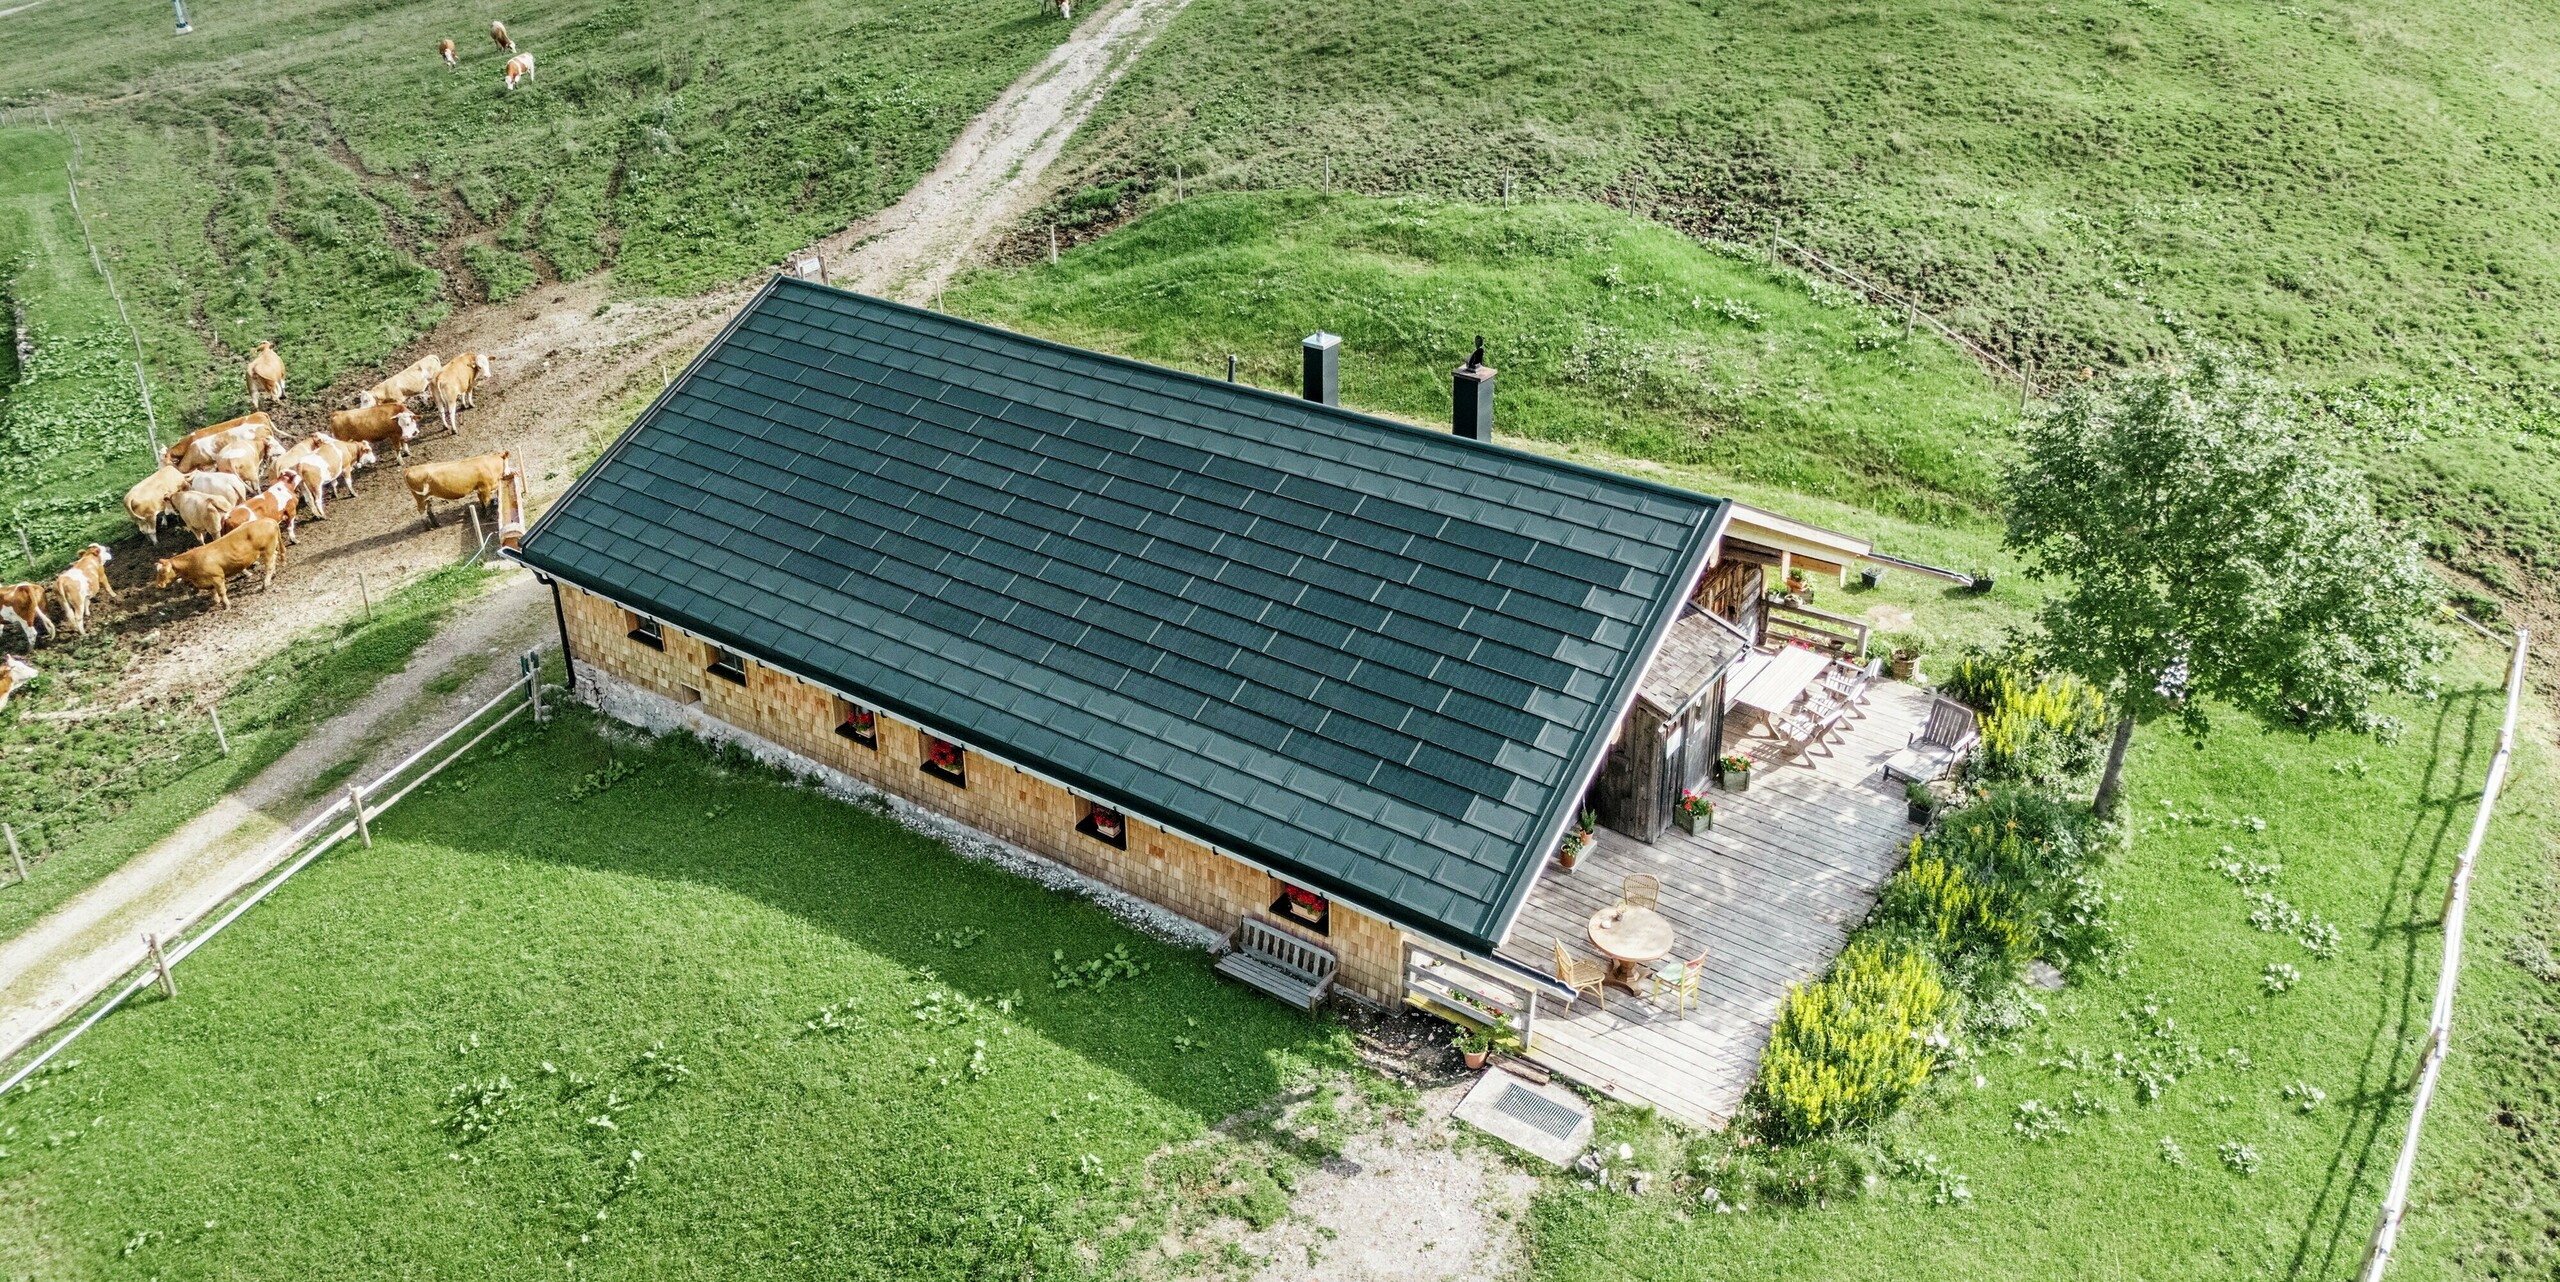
2212,545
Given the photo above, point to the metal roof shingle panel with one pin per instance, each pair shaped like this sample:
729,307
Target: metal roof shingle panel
1376,658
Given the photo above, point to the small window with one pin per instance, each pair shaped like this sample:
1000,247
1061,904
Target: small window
645,630
727,666
858,723
1302,907
945,761
1105,825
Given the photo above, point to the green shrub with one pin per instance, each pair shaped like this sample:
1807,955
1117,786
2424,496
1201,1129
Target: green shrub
1850,1047
2037,726
1967,923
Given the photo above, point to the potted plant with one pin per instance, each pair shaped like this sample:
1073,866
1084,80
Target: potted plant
1982,582
1577,840
1919,801
1735,769
1905,657
1799,588
1871,577
1695,813
1477,1044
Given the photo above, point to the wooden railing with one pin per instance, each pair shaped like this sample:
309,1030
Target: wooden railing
1462,990
1820,629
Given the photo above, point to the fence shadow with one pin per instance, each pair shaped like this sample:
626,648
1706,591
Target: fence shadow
2459,742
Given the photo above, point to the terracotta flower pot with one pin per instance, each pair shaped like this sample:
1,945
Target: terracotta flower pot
1475,1060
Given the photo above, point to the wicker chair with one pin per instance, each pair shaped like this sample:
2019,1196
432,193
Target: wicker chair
1643,890
1681,980
1582,977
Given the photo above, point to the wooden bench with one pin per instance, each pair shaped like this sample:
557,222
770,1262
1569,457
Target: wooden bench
1279,963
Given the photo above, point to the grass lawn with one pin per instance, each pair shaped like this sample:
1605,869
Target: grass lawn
2357,189
2365,835
87,793
607,1001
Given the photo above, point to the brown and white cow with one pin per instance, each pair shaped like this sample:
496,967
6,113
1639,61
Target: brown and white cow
278,502
519,69
23,604
148,500
83,583
15,675
176,454
227,484
455,386
202,514
209,568
407,385
477,479
266,376
390,421
498,34
445,47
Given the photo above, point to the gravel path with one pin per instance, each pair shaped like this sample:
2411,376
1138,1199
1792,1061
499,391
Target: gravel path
561,358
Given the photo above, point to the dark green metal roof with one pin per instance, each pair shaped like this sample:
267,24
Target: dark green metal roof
1379,660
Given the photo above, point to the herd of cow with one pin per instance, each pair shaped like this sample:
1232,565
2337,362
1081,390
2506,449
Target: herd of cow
519,64
239,488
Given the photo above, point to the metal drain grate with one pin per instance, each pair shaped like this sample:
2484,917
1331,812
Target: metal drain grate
1537,1110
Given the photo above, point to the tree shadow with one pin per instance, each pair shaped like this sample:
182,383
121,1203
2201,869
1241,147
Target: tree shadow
1179,1031
2458,743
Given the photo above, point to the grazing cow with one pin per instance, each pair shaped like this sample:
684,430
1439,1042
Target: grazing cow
498,33
476,479
455,384
227,484
175,455
84,582
519,67
15,674
278,502
148,501
445,47
209,568
321,462
23,604
202,514
266,376
389,421
1066,8
407,385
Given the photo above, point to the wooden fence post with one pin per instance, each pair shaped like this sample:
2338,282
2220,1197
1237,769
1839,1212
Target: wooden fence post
355,797
219,737
1328,175
16,859
367,594
1053,244
1177,182
530,663
160,966
24,548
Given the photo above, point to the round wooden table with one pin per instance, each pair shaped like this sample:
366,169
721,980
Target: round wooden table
1630,937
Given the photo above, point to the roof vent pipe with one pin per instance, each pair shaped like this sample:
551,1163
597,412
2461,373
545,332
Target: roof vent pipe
1471,397
1323,368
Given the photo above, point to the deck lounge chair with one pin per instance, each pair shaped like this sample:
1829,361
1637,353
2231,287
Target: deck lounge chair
1942,743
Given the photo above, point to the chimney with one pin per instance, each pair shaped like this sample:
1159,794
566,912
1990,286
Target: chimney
1471,397
1323,368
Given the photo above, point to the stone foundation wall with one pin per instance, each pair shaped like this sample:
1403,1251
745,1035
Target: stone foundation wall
1159,867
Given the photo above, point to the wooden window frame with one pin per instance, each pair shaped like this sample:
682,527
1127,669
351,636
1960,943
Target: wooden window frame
727,665
645,630
957,773
865,731
1090,828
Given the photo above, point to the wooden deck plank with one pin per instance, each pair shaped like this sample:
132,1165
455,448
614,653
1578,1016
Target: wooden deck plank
1771,891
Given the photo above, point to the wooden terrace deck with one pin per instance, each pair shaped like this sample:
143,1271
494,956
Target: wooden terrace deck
1772,891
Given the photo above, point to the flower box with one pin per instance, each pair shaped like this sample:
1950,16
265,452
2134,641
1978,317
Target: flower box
1302,907
945,761
1105,825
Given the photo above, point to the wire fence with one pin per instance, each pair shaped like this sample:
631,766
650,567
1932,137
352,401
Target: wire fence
2457,905
348,816
150,418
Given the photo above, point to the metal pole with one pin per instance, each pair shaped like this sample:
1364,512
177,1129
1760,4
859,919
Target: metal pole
355,798
16,859
181,6
1506,191
1177,182
28,551
367,594
1328,175
160,966
1231,367
218,735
